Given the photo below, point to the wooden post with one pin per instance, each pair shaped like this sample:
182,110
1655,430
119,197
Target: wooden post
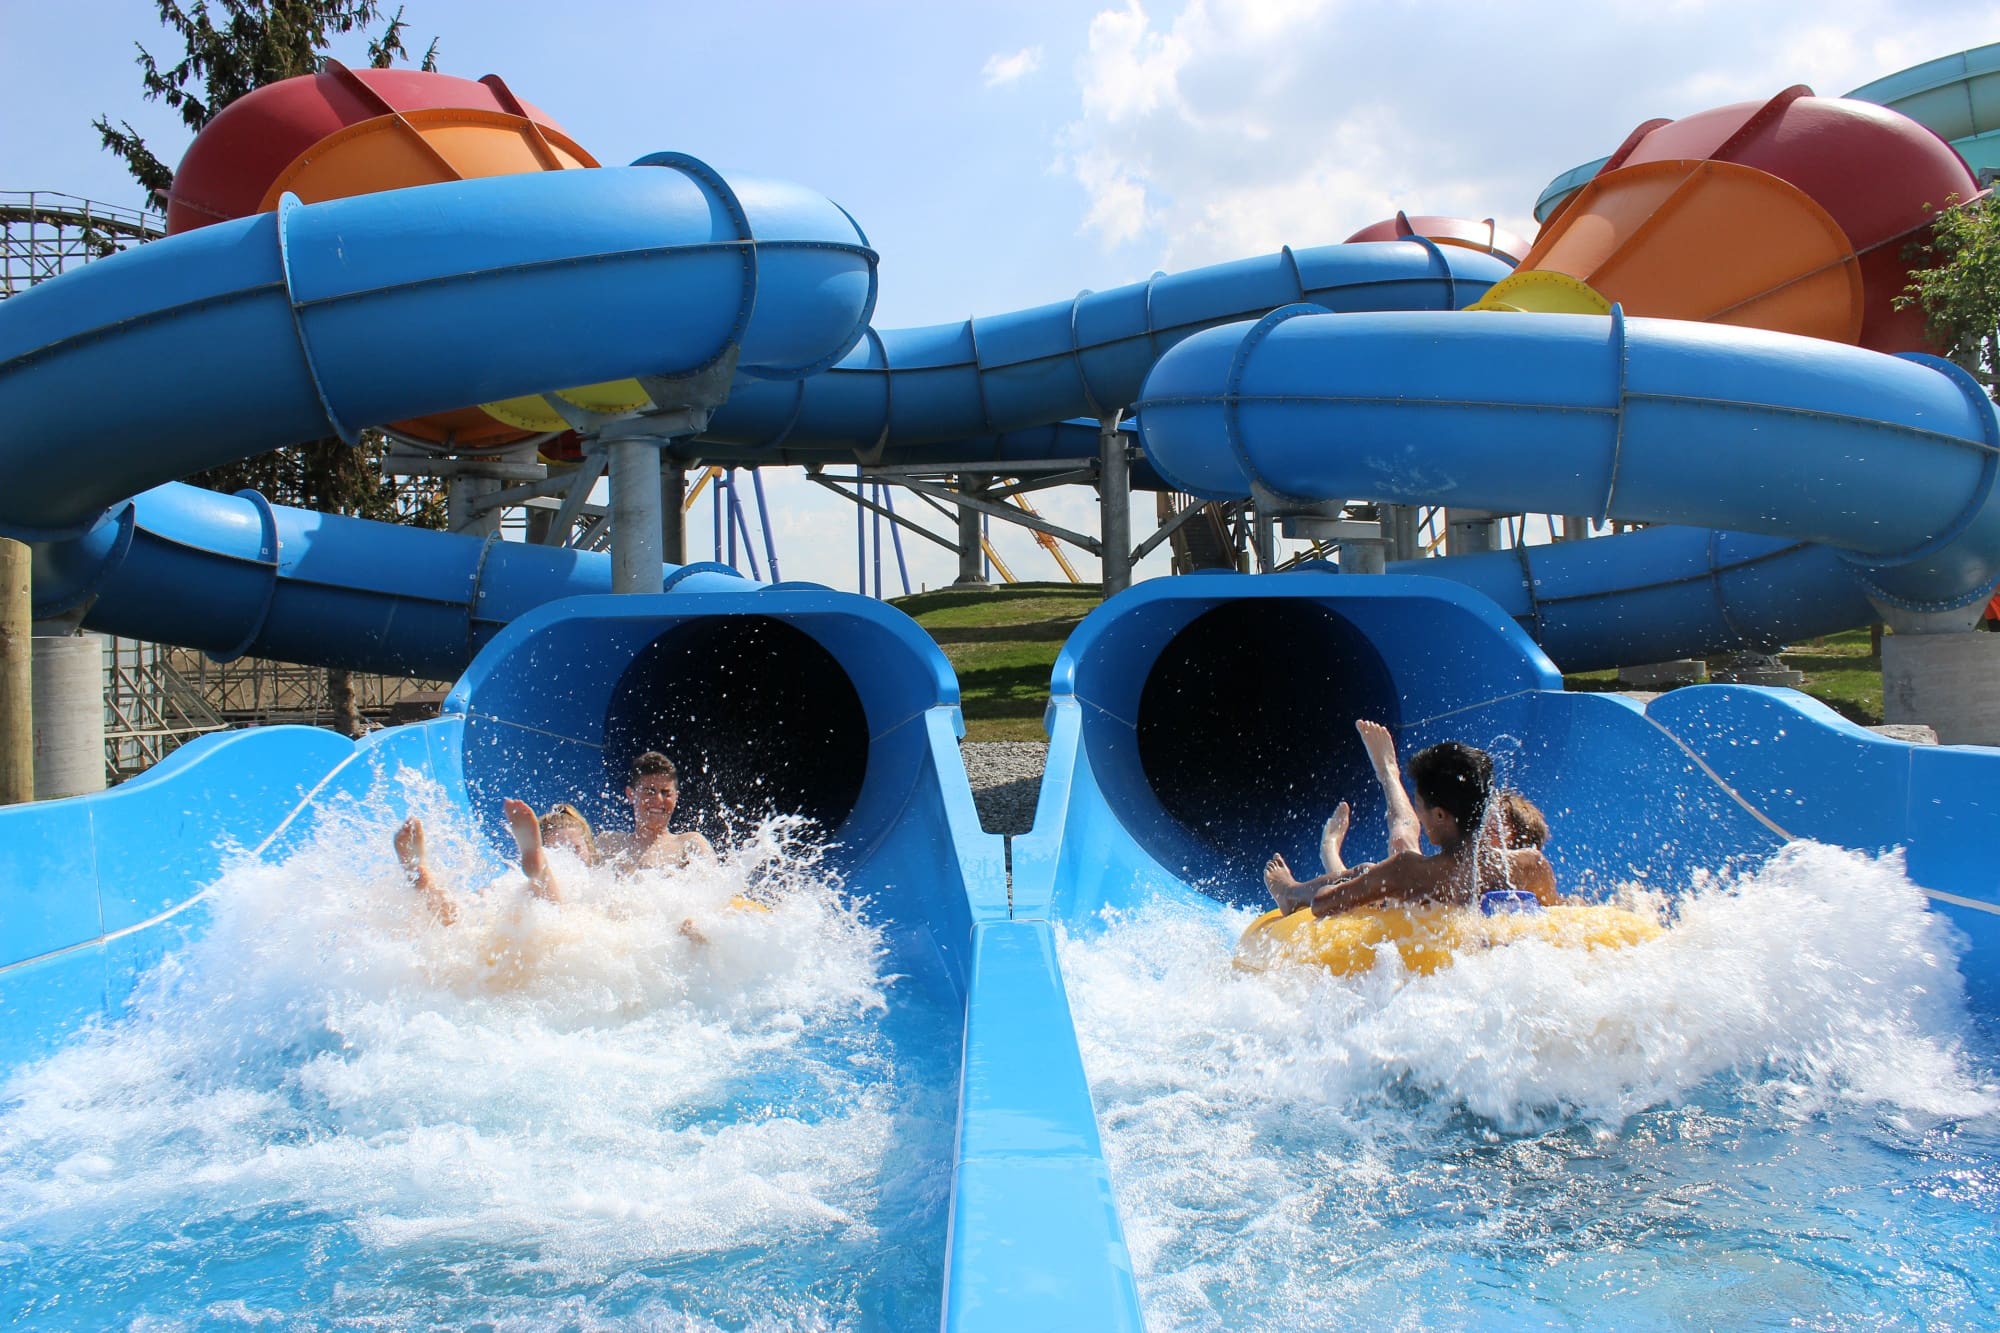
17,676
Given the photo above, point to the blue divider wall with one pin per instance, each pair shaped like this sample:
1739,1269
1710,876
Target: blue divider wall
95,889
1036,1241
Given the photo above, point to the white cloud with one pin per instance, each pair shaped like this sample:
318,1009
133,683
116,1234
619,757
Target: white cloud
1208,130
1001,70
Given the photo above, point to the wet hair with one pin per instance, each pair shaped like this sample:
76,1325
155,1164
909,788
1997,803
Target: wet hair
652,764
566,816
1456,779
1522,824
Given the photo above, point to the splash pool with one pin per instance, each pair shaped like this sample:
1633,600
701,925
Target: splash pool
326,1106
1777,1115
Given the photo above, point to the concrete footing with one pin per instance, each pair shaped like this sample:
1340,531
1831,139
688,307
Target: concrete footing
69,715
1749,668
1662,675
1949,681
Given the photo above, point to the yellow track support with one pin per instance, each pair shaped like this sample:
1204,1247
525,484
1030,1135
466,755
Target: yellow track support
1048,542
694,491
1006,574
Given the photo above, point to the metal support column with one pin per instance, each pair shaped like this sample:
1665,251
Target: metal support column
467,508
636,530
1114,497
971,555
1264,540
673,519
1471,531
1399,527
17,676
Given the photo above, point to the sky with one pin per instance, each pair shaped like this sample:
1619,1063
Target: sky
1000,156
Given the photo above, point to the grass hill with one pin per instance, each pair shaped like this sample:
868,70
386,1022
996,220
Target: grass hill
1003,642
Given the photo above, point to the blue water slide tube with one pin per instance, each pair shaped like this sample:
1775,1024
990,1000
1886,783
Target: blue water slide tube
235,575
358,311
355,312
1081,358
1891,460
1662,593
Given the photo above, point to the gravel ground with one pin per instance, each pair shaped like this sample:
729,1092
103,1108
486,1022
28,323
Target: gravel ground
1006,779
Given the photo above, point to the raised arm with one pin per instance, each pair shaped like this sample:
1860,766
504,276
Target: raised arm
1404,877
1405,834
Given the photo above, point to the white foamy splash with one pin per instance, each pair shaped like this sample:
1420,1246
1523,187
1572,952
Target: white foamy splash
532,1101
1292,1148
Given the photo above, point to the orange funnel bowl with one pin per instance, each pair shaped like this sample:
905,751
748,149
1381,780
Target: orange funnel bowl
1709,241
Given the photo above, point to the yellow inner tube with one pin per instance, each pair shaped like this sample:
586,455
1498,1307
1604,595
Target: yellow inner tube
1429,938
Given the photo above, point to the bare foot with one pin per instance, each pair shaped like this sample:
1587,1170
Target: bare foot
410,844
1330,838
411,852
1283,885
527,831
521,822
693,932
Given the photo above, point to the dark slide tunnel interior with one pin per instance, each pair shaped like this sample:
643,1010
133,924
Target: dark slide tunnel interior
757,715
1245,734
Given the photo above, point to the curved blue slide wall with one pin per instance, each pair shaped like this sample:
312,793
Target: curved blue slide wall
790,699
842,708
1198,724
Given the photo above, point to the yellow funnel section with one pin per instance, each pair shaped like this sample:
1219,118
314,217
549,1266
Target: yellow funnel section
1541,292
1711,241
532,411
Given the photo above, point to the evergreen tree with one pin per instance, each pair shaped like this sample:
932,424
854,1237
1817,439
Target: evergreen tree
233,47
259,42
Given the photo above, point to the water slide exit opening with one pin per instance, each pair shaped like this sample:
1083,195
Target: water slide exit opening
1246,726
1214,716
757,715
